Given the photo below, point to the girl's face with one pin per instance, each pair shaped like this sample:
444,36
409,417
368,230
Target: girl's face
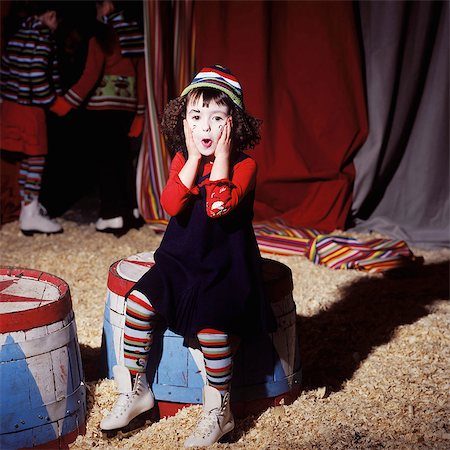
206,123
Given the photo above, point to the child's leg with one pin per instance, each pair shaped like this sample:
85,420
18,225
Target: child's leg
23,173
216,351
138,332
217,419
30,178
135,395
33,216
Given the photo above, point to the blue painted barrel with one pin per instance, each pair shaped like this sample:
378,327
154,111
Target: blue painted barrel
43,396
265,367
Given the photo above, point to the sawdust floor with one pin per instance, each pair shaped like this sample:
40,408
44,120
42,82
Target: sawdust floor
375,349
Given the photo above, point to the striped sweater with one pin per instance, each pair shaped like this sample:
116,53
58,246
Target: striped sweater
112,81
130,37
29,69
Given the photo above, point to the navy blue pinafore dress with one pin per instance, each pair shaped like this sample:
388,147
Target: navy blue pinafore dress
207,272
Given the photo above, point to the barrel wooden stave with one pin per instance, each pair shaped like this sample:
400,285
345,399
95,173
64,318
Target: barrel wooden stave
43,400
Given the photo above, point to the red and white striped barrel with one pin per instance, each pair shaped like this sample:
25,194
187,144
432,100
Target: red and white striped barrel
267,369
43,396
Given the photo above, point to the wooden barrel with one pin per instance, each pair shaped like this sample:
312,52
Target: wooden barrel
267,368
43,396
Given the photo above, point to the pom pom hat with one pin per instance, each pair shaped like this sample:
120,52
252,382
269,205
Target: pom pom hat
217,77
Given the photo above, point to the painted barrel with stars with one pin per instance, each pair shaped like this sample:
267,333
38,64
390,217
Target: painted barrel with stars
267,369
43,395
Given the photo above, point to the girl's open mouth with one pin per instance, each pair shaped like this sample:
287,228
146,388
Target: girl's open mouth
207,143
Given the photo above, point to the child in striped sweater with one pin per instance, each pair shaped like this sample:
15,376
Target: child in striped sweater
29,84
206,281
112,89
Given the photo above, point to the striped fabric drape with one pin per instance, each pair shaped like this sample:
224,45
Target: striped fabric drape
333,251
374,255
152,169
165,79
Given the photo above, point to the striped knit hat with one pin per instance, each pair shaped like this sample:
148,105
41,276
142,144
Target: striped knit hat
217,77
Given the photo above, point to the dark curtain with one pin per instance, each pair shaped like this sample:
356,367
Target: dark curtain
300,68
402,170
9,161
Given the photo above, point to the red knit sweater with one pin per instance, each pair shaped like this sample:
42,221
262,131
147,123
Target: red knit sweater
119,81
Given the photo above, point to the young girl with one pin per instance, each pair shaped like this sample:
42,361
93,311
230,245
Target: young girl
29,84
207,278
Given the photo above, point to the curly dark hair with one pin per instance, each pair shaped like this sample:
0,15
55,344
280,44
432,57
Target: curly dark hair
245,131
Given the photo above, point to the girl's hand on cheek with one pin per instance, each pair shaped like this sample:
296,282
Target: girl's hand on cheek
224,145
190,144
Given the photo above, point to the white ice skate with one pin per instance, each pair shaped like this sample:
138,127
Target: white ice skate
132,402
34,219
109,225
216,420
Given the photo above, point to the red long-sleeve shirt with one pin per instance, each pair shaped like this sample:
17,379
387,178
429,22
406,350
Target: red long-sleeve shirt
222,196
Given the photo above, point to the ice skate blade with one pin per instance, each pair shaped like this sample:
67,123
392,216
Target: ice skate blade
32,232
137,424
227,438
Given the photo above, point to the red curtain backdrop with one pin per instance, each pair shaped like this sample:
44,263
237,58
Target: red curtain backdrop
300,68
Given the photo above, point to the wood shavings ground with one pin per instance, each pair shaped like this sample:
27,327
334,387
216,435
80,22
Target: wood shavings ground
375,349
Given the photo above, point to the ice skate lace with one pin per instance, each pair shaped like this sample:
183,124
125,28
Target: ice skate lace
208,422
122,404
42,211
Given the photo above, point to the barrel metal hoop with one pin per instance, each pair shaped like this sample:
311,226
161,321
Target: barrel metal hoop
38,346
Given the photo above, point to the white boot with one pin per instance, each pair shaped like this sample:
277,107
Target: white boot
216,420
34,219
109,225
131,402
